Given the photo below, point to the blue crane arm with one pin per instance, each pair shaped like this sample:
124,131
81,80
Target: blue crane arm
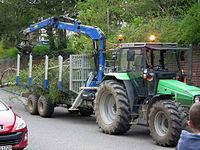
42,24
93,32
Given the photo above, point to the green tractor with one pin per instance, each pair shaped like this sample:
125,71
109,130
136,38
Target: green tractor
144,86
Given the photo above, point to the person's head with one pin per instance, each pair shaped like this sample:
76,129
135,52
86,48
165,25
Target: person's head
194,117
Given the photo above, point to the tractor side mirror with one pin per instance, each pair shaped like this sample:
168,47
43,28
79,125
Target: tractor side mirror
131,55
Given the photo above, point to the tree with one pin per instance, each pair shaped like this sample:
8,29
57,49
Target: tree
16,15
190,27
161,8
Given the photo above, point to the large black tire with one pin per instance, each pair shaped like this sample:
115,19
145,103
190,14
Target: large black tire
112,109
86,111
165,123
32,104
45,108
184,117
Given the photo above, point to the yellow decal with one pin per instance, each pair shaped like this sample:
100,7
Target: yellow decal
36,26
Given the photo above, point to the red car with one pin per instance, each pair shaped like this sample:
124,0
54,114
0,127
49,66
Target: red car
13,129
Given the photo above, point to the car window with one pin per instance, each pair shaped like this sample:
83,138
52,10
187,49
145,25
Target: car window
3,107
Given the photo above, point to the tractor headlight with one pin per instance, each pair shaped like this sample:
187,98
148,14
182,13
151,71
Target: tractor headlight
197,99
148,75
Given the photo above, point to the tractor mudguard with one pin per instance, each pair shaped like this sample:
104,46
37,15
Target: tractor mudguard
131,92
119,76
156,98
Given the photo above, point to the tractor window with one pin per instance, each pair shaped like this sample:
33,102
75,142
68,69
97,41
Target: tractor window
165,60
170,61
136,65
123,60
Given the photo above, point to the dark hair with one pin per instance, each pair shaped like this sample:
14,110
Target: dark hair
194,115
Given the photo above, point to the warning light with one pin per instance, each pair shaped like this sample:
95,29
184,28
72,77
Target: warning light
120,37
152,38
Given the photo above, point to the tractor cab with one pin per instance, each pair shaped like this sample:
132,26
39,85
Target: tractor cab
147,63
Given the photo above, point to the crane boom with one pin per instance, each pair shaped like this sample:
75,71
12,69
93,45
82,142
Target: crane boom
73,25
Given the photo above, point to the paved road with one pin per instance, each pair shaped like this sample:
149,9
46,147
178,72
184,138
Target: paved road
71,132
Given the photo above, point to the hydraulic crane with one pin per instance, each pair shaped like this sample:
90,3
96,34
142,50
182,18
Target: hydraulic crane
73,25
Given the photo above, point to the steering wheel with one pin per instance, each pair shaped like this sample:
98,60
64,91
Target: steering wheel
157,67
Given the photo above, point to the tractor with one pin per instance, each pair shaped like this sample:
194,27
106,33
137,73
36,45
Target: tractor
145,86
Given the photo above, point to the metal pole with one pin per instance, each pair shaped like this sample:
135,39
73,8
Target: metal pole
46,85
18,68
190,64
30,70
60,61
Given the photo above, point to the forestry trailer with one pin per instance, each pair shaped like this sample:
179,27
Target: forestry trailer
142,84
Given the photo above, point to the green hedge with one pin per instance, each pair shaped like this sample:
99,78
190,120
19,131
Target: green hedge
40,50
11,52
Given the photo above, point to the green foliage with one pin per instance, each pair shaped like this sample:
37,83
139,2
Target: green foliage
52,92
38,80
190,27
165,30
107,15
40,50
16,15
80,44
161,8
1,50
135,18
11,52
4,42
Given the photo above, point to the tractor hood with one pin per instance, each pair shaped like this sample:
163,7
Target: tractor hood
182,92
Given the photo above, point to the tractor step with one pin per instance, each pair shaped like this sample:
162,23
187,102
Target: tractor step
88,88
77,102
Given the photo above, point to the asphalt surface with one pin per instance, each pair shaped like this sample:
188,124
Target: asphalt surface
65,131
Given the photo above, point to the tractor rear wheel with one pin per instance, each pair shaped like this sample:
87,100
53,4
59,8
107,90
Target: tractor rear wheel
165,123
32,104
45,108
112,108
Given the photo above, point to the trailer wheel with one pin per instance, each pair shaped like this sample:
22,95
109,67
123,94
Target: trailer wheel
112,109
32,104
165,123
45,108
86,111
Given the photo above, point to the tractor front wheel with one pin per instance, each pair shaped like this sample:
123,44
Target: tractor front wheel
45,108
112,108
184,117
32,104
165,123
